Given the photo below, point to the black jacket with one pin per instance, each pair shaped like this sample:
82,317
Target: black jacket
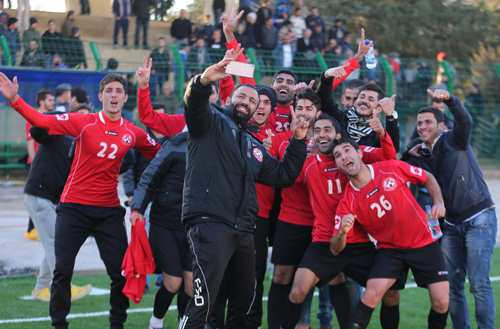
51,165
325,93
224,161
141,8
162,182
464,190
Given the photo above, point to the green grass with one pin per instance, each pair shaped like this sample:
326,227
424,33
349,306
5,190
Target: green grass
414,305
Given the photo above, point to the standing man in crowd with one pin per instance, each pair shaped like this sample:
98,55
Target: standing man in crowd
470,224
122,11
4,17
42,191
161,64
89,203
141,10
68,24
63,96
181,29
220,202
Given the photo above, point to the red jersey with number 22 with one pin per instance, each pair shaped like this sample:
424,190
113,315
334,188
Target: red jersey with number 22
101,145
386,208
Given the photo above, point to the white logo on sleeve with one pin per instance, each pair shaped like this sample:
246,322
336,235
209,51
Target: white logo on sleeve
416,171
62,117
338,221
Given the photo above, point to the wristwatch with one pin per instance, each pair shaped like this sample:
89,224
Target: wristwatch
394,116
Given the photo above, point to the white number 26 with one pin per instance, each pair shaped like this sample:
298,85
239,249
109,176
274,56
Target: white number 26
385,204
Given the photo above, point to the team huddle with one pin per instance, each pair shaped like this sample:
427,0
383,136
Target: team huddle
218,174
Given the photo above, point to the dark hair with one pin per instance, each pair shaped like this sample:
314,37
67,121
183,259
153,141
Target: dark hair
345,140
71,12
80,93
161,38
286,71
50,21
74,30
110,78
41,95
310,95
245,85
157,105
335,123
437,113
354,84
373,87
11,21
112,64
78,106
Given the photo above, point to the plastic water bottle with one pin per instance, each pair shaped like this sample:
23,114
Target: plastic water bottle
433,224
370,60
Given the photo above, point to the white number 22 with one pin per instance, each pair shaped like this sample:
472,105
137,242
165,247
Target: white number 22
385,204
111,155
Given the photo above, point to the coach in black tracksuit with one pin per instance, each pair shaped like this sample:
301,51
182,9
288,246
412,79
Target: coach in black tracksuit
220,202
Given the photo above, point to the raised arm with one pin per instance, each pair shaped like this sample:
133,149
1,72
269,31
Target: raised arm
198,112
9,89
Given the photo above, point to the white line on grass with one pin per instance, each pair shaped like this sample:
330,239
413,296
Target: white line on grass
142,310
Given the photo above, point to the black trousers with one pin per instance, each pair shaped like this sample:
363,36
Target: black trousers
74,223
217,249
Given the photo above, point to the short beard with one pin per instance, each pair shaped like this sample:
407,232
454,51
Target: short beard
239,117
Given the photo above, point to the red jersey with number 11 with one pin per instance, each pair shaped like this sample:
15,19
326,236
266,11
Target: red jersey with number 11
386,208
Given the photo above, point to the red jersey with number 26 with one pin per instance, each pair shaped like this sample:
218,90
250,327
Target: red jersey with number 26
386,208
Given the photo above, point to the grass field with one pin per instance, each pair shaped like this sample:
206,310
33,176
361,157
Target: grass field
92,311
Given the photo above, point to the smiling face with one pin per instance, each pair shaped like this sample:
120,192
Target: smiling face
244,102
284,85
113,97
428,128
348,159
307,110
324,135
263,112
349,98
365,104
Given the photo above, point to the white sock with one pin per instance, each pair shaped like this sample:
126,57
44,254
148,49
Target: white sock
155,322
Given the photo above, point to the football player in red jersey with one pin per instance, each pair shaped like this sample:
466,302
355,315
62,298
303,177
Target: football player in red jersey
89,203
379,199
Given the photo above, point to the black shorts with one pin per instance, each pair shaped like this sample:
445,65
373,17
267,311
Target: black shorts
290,243
354,261
426,264
170,250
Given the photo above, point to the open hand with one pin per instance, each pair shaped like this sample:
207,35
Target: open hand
9,88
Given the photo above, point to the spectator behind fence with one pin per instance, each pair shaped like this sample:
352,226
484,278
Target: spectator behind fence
251,30
51,41
284,52
122,11
84,7
13,40
31,34
141,10
181,29
166,97
161,10
161,64
112,64
337,31
195,34
75,57
314,19
4,17
207,29
23,14
68,24
63,96
475,102
422,81
298,23
219,6
304,10
264,13
217,48
58,62
318,39
198,58
242,36
33,56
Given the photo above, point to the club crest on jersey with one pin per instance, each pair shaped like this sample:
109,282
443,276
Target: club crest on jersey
390,184
62,117
126,139
258,154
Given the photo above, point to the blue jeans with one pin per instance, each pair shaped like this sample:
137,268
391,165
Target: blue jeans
305,315
469,247
145,25
121,23
325,308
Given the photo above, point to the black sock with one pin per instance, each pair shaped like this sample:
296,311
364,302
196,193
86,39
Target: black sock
182,301
361,316
278,295
163,299
341,302
437,320
292,315
389,316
